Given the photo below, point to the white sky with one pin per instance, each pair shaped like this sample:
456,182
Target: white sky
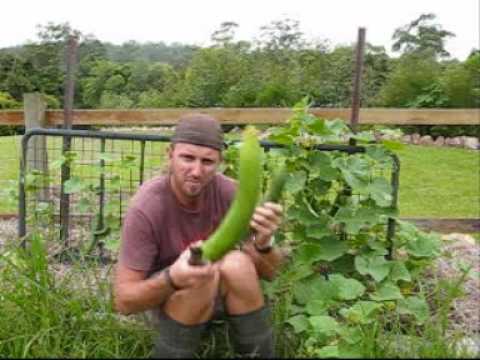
193,21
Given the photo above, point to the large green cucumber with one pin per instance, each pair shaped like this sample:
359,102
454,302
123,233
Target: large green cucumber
279,179
234,226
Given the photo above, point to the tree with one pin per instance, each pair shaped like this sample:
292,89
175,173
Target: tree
284,34
224,36
421,36
461,83
413,77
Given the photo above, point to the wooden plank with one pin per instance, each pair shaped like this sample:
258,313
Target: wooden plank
446,226
11,117
269,116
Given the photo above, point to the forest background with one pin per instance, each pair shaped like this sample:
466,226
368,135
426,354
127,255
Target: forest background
276,69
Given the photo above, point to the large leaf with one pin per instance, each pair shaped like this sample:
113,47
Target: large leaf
74,185
296,182
424,245
304,216
415,306
327,352
399,272
316,307
317,125
326,249
300,323
373,265
387,291
348,289
362,312
380,191
324,324
321,166
315,288
355,219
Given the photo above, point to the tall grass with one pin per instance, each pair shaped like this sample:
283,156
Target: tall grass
43,315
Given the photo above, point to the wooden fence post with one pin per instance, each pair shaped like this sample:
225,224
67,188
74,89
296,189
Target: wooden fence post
34,107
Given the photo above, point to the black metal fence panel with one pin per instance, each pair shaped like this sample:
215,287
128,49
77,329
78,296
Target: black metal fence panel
105,169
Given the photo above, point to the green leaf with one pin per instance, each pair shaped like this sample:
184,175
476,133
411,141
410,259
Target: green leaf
337,127
73,185
316,307
415,306
375,266
83,205
304,216
424,245
316,288
362,312
317,125
378,153
387,291
321,166
296,182
365,136
320,229
348,289
326,249
380,191
105,157
300,323
329,351
324,324
399,272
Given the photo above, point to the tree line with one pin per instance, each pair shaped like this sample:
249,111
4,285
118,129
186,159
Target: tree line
277,69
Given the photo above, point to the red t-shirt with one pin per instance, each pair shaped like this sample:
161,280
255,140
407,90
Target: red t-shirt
156,228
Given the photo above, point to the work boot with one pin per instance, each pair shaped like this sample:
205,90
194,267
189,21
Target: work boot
176,340
252,333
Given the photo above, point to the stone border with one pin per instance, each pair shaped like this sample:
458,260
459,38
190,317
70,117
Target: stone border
467,142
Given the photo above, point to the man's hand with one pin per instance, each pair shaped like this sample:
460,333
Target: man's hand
185,275
265,222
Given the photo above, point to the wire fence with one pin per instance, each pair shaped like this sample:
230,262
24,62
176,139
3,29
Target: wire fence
87,203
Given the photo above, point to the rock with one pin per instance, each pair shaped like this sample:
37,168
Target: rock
426,140
471,142
407,139
439,141
455,141
415,139
453,237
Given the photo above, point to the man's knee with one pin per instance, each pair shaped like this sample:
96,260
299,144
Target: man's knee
237,265
193,306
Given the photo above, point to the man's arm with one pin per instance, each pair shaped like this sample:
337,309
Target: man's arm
266,264
133,293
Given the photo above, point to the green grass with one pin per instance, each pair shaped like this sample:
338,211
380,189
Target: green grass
439,182
10,151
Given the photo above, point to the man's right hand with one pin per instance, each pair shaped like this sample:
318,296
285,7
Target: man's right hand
185,275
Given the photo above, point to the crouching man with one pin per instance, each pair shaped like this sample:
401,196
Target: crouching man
166,216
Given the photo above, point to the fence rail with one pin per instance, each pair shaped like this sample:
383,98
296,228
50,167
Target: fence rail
241,116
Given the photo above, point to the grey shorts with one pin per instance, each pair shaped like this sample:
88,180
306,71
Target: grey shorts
177,340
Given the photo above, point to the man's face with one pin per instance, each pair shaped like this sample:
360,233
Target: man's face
192,167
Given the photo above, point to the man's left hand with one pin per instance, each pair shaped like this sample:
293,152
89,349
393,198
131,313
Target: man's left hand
265,221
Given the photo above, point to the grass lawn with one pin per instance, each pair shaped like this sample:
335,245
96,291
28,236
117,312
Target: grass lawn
439,182
434,182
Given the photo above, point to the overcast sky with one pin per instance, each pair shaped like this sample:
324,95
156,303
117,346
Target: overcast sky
193,21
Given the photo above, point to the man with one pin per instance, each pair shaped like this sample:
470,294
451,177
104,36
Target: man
169,214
